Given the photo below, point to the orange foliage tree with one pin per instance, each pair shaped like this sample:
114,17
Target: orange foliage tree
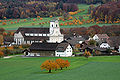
0,20
41,18
4,34
87,54
62,63
67,63
11,22
49,65
4,23
1,54
10,48
51,16
34,20
38,16
61,24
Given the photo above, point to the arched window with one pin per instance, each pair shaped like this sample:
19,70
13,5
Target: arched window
52,25
56,25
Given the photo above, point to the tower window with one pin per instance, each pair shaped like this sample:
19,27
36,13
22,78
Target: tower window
56,25
52,25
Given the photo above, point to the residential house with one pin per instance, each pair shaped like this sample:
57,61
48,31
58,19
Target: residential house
114,42
30,35
119,49
75,40
100,37
50,49
8,40
104,45
90,48
63,50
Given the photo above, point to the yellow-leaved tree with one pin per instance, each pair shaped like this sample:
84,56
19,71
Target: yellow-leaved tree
87,54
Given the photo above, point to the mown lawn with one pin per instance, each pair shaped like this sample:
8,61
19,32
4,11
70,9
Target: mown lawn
94,68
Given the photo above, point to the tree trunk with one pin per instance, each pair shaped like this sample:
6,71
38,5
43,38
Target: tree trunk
61,68
50,71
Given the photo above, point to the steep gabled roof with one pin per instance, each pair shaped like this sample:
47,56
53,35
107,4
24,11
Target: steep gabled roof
49,47
36,38
75,40
62,47
101,36
24,30
8,39
33,30
43,46
114,41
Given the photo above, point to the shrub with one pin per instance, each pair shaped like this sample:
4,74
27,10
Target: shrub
16,47
25,46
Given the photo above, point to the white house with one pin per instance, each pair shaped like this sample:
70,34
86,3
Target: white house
63,50
30,35
119,49
49,49
104,45
100,37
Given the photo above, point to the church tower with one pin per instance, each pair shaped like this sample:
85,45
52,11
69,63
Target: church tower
55,34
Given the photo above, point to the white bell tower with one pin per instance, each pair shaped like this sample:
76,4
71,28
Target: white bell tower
53,24
55,34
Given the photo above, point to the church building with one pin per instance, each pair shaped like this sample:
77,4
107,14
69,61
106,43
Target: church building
29,35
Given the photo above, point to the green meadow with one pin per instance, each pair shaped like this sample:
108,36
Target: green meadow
94,68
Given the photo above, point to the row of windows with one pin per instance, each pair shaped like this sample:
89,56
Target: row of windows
27,34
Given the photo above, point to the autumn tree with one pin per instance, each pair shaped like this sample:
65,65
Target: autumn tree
4,23
4,34
92,42
49,65
1,39
1,54
67,63
61,63
87,54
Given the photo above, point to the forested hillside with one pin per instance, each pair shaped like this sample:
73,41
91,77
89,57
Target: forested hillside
45,8
109,12
29,9
68,1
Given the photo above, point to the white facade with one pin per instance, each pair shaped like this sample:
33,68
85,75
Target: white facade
54,35
119,49
96,38
66,53
104,45
31,54
18,38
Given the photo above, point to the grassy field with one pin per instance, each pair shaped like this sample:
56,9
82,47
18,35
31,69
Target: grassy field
29,22
95,68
